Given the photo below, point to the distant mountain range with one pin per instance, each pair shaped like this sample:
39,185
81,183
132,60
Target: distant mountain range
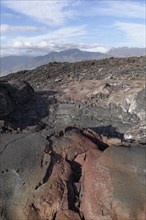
11,64
127,52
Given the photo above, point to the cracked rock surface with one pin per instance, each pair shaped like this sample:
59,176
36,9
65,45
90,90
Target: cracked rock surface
69,176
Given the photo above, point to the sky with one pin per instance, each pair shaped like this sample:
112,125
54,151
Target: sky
37,27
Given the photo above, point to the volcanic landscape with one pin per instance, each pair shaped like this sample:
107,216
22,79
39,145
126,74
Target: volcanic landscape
73,141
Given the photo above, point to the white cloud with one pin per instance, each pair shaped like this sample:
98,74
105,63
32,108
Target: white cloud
48,12
52,40
11,28
43,47
94,48
10,15
65,33
135,33
125,9
56,12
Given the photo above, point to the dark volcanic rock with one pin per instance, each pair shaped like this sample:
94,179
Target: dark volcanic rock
21,107
23,166
132,68
105,95
13,94
141,100
21,92
6,104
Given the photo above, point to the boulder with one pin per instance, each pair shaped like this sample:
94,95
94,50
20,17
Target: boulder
6,104
13,94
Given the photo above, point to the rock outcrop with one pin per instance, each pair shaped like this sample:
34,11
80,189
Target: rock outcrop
21,107
69,176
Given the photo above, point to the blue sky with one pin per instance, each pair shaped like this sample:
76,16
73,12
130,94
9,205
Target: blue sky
30,27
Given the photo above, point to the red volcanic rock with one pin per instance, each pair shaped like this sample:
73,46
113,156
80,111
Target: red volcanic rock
114,184
67,215
52,196
59,190
73,143
96,189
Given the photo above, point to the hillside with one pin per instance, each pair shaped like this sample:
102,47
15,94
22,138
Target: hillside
112,68
15,63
